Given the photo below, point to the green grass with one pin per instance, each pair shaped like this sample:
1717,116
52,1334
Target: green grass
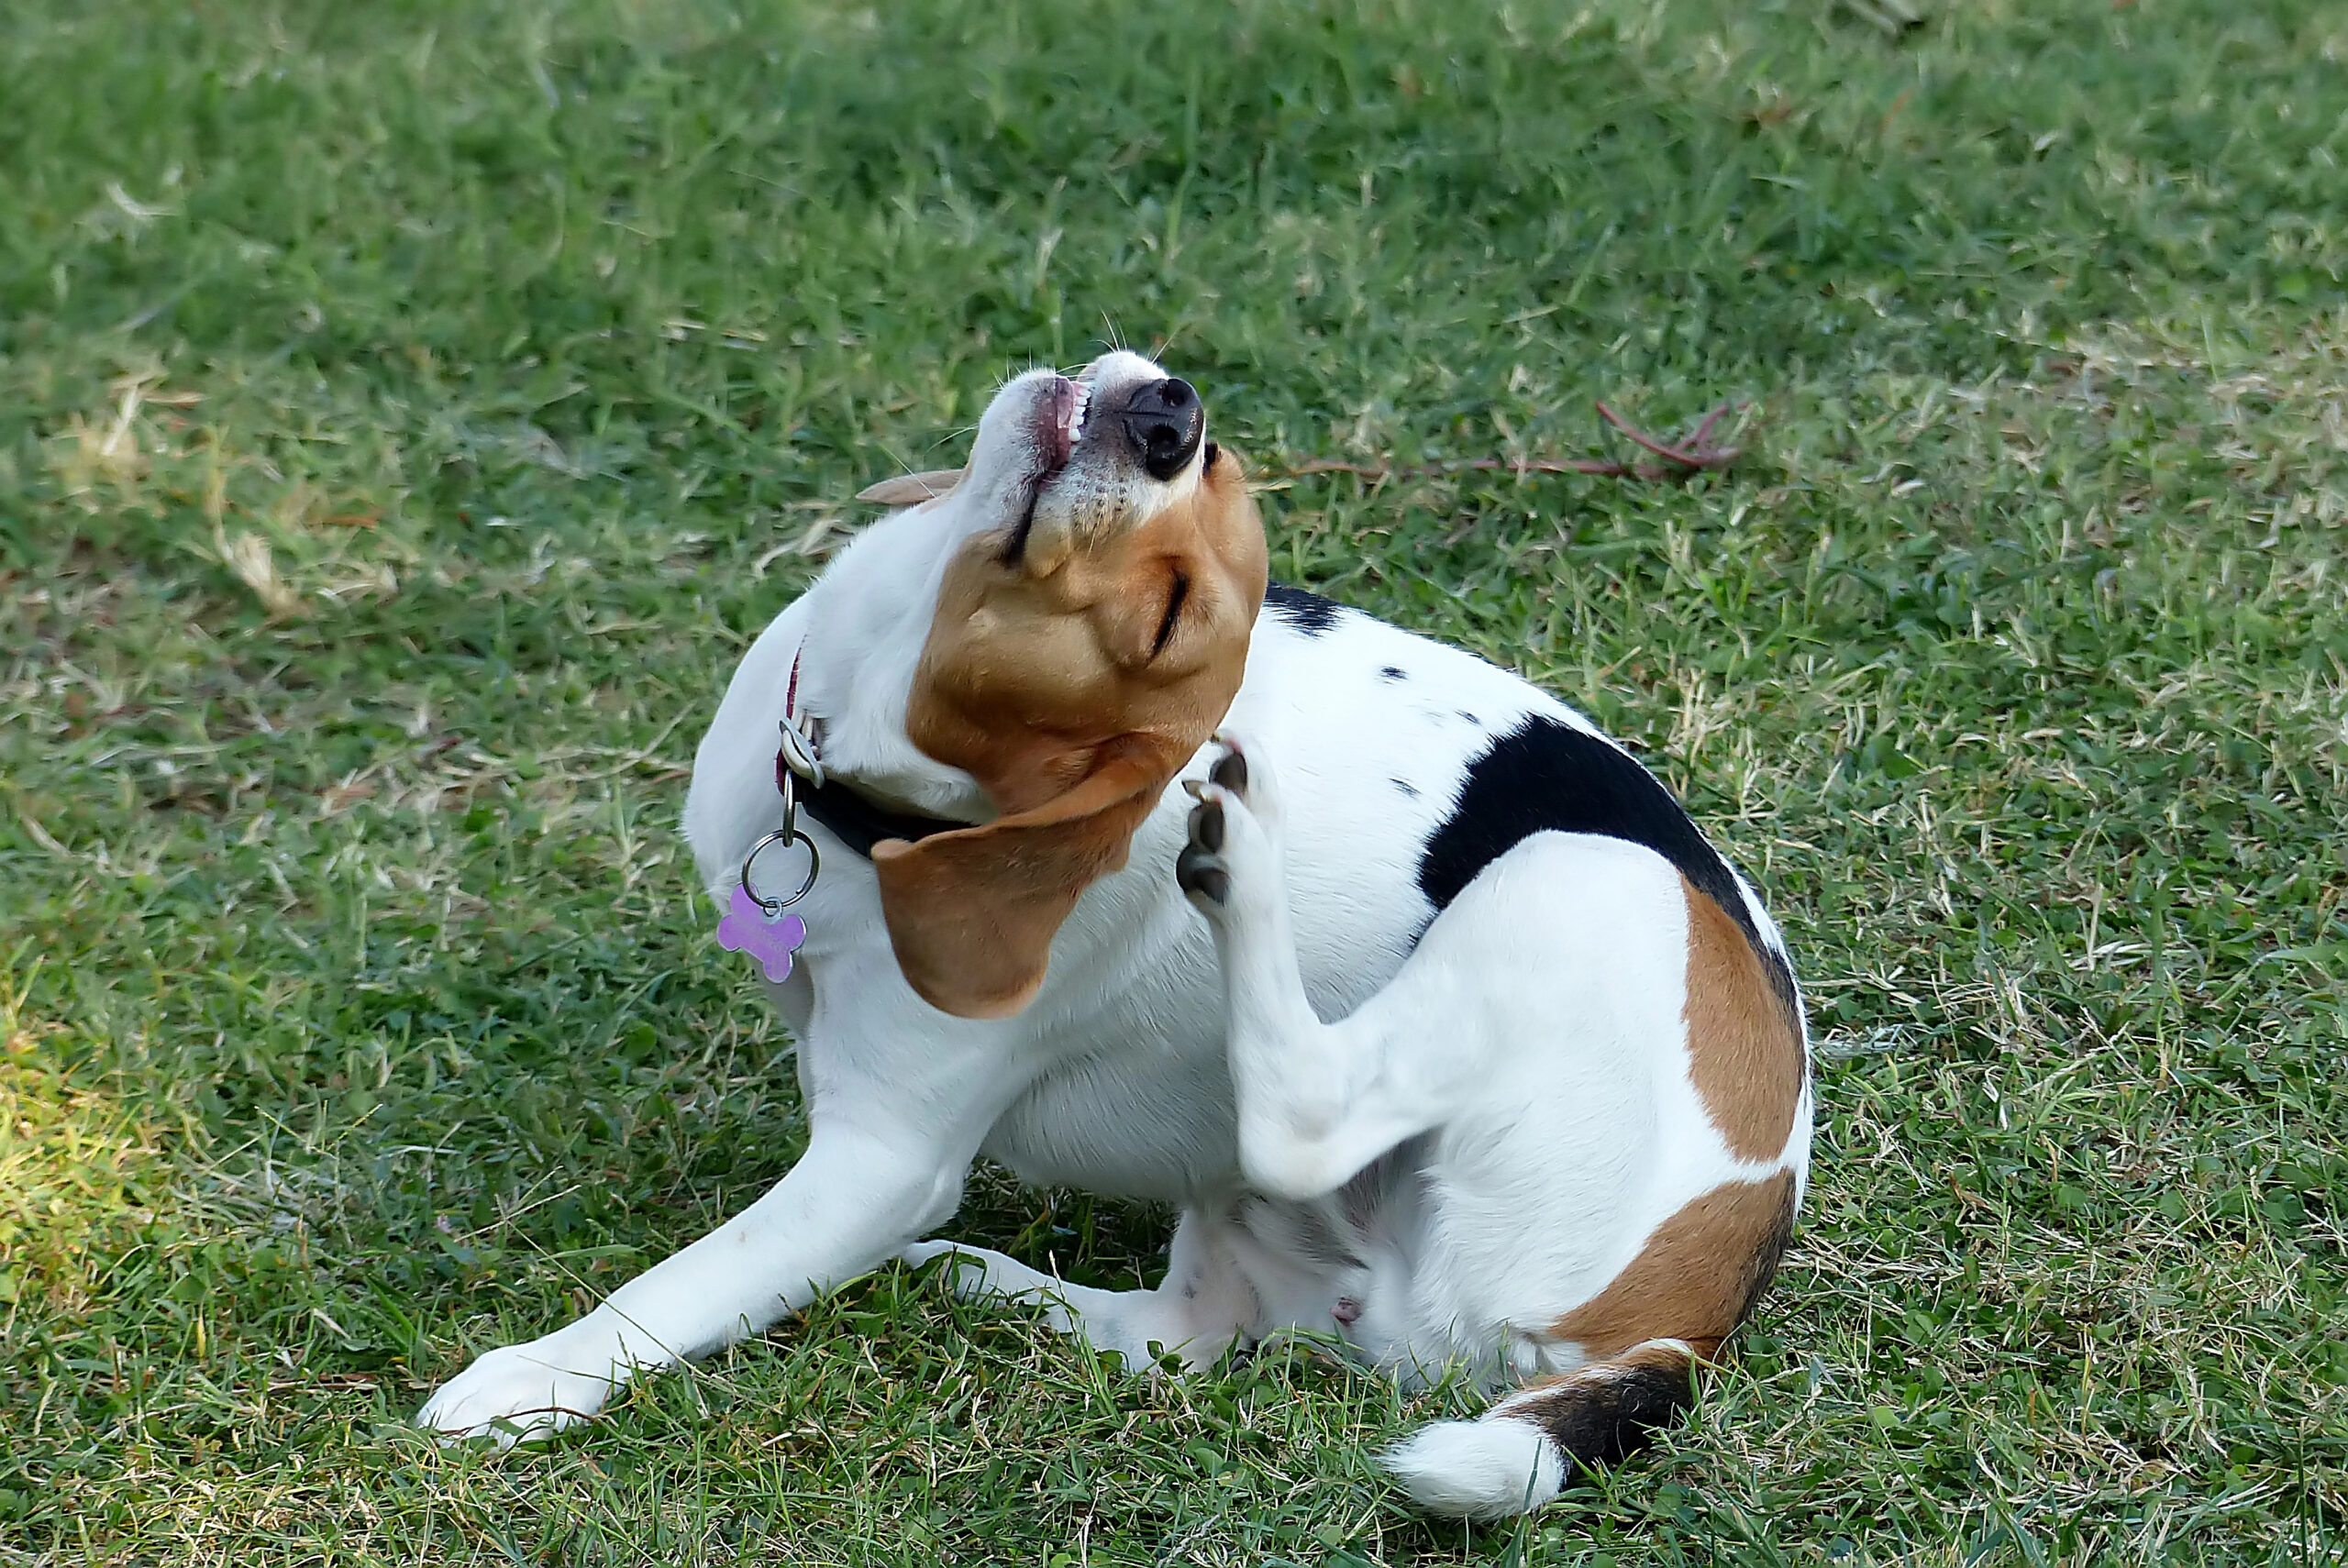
408,412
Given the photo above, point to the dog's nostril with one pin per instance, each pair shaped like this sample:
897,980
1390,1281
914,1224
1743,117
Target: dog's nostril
1164,422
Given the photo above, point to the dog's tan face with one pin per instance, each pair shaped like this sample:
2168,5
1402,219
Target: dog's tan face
1088,637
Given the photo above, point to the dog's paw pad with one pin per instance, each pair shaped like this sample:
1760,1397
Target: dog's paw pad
1241,771
1199,870
1230,770
1201,873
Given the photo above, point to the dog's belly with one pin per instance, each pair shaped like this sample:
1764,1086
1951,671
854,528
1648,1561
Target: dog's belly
1151,1122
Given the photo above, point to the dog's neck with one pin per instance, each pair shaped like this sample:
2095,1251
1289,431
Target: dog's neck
862,643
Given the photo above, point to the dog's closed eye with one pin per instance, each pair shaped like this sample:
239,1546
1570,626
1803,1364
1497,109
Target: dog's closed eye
1173,613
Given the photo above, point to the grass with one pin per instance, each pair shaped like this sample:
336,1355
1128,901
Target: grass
409,410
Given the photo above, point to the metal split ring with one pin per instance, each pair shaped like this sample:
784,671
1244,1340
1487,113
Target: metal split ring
787,834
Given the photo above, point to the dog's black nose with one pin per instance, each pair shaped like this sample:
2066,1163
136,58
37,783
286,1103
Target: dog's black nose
1164,420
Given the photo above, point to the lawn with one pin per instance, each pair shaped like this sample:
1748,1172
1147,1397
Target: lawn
409,411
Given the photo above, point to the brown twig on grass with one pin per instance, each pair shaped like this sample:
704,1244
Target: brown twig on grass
1692,455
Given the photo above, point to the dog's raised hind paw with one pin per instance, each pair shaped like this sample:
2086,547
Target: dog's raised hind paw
1232,826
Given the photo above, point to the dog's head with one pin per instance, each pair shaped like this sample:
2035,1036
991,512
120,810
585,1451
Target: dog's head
1105,568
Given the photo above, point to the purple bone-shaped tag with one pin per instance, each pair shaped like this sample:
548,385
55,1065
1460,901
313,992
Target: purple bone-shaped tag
747,928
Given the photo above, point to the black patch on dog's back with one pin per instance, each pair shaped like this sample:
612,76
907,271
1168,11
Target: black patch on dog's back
1303,611
1547,776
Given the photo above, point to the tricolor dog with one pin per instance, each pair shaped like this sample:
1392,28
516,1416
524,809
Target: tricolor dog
1445,1027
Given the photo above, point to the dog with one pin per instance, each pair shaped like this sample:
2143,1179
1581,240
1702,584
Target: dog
1447,1031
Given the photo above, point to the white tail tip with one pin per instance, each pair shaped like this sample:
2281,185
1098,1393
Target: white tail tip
1491,1469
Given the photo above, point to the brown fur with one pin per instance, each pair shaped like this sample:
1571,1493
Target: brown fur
1744,1047
1047,685
1697,1276
1662,1356
1659,1356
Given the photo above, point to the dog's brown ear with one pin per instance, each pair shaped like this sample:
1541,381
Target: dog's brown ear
911,489
972,913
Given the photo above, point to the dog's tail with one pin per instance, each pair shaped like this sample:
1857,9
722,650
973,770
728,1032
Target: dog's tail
1524,1450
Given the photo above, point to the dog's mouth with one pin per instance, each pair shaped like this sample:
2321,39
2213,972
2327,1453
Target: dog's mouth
1055,428
1058,425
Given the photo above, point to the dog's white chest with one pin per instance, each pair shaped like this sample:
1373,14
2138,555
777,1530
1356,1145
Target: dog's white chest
1153,1124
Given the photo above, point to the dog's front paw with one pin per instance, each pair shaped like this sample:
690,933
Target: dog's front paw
522,1393
1231,848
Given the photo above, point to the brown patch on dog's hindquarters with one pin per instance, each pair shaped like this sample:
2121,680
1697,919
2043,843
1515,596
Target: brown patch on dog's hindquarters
1744,1046
1699,1272
1667,1312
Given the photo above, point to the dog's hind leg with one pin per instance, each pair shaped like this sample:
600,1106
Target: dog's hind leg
1317,1101
1203,1305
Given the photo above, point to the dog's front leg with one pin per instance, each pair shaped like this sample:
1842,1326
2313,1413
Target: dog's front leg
865,1188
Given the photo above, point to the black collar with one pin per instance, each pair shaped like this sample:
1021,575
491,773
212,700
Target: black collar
857,822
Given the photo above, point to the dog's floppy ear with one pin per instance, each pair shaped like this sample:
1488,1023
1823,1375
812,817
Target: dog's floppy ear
911,489
973,913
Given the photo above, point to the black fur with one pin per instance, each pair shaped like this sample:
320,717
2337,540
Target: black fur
858,824
1173,616
1547,775
1304,611
1603,1418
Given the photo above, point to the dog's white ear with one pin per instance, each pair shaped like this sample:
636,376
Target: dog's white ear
911,489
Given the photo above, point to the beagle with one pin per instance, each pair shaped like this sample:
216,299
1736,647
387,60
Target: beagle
1445,1028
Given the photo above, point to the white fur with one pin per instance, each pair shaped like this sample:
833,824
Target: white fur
1432,1144
1478,1470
